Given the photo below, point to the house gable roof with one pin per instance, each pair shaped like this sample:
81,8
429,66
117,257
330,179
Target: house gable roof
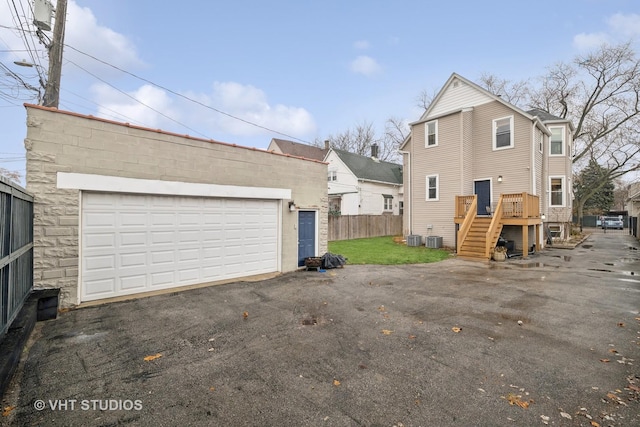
469,95
300,150
366,168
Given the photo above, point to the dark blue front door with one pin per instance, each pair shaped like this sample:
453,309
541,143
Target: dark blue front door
483,190
306,235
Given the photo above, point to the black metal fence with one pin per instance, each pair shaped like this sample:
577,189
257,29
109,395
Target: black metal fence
16,251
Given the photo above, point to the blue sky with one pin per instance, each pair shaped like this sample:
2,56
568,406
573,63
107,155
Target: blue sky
306,69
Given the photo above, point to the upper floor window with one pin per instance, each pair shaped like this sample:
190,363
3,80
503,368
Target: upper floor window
557,191
431,132
432,187
503,133
333,175
556,141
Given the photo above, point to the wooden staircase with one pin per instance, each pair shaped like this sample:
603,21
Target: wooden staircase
476,242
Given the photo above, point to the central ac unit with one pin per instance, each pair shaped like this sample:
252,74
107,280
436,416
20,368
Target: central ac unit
414,240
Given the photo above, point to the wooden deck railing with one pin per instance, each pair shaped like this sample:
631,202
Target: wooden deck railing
493,231
469,208
463,205
520,205
511,209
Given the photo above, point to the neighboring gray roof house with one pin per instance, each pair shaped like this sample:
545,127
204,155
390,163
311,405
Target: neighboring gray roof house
370,169
297,149
361,185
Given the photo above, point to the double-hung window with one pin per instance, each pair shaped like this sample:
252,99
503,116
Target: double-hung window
556,141
388,202
432,187
503,133
333,175
556,195
431,133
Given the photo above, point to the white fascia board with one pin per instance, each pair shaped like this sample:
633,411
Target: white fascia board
118,184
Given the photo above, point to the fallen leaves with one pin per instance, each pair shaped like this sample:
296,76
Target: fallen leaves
336,383
387,332
153,357
595,424
456,329
516,400
7,410
245,314
621,324
605,360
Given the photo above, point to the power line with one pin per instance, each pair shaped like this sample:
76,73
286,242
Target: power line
186,97
137,100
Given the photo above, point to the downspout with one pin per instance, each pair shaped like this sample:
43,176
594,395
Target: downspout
407,189
533,159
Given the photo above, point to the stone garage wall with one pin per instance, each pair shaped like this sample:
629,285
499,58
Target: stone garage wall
59,141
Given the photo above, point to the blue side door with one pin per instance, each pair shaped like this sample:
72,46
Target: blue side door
483,190
306,235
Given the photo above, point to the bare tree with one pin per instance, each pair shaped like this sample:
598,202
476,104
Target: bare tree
599,92
515,93
361,137
10,175
425,98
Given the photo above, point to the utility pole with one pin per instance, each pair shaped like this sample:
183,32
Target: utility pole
52,89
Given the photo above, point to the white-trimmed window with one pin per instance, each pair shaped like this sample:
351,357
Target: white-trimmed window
556,193
333,175
540,141
503,133
388,202
432,187
431,134
556,141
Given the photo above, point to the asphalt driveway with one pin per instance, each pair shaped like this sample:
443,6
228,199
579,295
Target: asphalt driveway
549,340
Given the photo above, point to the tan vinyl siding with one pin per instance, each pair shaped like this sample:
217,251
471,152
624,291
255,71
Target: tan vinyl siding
467,154
442,160
560,166
511,163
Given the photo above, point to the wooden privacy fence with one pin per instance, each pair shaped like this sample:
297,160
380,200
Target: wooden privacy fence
345,227
16,251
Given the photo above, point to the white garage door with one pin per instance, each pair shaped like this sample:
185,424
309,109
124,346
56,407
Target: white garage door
139,243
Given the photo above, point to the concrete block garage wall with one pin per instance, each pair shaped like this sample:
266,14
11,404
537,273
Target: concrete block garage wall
59,141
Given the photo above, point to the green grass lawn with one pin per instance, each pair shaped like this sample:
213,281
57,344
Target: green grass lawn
384,251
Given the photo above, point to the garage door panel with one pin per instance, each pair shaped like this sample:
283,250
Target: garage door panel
162,279
134,282
133,239
138,243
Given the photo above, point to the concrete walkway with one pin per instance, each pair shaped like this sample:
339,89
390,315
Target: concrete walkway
548,340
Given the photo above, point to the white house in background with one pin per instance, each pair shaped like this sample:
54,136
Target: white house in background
361,185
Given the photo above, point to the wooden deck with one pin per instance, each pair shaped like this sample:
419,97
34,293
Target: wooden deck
478,235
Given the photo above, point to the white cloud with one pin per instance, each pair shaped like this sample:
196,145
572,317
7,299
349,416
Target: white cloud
585,41
84,33
365,65
621,28
115,105
250,103
625,25
242,101
361,44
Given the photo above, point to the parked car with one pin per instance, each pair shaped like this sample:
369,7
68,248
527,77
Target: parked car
612,222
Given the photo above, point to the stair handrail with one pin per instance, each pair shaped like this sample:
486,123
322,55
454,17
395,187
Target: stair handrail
491,239
469,217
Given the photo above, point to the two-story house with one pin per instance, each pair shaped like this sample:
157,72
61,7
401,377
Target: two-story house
477,167
361,185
